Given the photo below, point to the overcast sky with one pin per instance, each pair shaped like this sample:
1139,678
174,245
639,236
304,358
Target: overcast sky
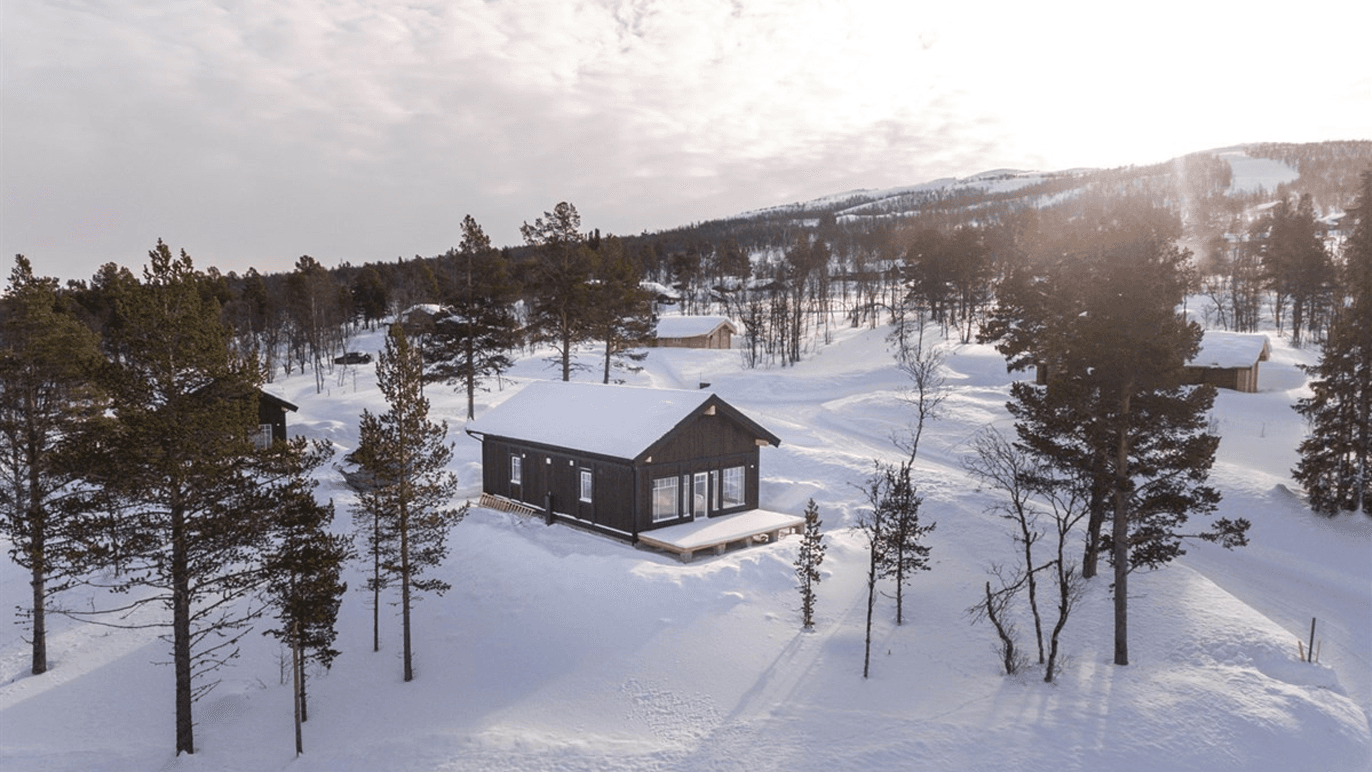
250,132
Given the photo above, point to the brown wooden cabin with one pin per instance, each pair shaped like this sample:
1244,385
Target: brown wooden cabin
271,417
621,460
694,332
1228,360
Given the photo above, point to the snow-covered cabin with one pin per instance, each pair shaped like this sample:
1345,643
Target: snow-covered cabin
619,459
1229,360
694,332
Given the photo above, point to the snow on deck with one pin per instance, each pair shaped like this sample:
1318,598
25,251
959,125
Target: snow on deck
715,531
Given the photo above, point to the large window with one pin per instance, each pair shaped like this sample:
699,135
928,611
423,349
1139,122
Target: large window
666,501
586,484
516,470
733,487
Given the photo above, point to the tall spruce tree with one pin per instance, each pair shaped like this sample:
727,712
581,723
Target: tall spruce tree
1102,318
559,283
47,402
473,341
1336,458
195,499
404,456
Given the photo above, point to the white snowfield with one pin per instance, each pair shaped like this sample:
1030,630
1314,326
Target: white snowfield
561,650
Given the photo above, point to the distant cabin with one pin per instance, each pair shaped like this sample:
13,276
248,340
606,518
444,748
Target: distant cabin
271,418
618,459
1226,360
694,332
1229,360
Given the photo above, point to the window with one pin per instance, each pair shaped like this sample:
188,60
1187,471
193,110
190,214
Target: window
665,499
586,484
262,438
516,470
733,487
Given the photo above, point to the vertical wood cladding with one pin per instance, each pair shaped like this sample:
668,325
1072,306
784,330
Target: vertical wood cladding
707,442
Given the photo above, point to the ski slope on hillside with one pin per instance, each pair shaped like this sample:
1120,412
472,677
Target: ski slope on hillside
562,650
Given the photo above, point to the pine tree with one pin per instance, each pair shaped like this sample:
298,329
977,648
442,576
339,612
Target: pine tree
904,551
195,500
1103,320
621,310
1295,261
46,404
559,283
808,560
404,455
304,580
1336,458
473,341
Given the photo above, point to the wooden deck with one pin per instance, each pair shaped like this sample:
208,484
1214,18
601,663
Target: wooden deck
717,534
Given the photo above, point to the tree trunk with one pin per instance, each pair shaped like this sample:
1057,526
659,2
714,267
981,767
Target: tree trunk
39,582
1119,536
405,591
376,582
181,634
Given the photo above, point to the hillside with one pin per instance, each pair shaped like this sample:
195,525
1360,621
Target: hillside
558,649
1208,188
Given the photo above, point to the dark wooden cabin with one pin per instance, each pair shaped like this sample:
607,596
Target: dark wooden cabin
619,459
271,417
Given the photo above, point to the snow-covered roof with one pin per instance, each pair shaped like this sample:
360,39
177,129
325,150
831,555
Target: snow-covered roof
1230,349
618,421
658,289
689,326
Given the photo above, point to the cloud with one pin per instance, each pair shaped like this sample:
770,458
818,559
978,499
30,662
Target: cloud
251,132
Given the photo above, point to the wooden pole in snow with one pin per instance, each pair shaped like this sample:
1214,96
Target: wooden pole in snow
1310,650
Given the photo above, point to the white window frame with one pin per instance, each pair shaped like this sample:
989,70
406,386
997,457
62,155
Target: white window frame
661,486
735,487
263,437
516,469
587,485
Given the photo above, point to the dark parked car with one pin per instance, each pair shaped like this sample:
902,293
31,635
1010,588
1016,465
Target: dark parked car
353,358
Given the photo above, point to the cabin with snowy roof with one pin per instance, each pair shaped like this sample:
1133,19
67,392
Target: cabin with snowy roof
621,460
694,332
1228,360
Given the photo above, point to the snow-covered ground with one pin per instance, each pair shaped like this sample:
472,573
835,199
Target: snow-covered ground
558,649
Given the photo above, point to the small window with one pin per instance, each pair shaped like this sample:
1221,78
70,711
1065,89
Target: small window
263,437
586,484
516,470
665,499
733,487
